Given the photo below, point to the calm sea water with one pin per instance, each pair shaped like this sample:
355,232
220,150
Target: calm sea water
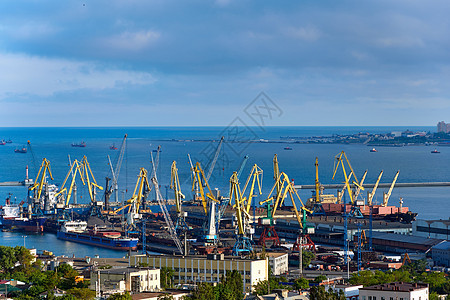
416,163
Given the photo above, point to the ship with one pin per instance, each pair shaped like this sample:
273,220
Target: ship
287,148
435,151
112,147
373,150
21,150
2,142
82,144
11,219
77,231
9,141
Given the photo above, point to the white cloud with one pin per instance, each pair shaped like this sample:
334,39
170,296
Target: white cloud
39,76
308,33
133,41
399,42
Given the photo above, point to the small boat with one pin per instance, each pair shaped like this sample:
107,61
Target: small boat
112,147
82,144
373,150
21,150
435,151
287,148
2,142
9,141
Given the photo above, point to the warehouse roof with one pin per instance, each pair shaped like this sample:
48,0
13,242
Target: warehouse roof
403,238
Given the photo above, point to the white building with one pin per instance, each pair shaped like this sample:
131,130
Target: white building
351,292
278,262
135,280
195,269
395,291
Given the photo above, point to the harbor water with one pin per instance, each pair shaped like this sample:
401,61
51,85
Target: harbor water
416,164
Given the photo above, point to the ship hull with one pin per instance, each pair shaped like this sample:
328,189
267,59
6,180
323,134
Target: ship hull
116,244
33,225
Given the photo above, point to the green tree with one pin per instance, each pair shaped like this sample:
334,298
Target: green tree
118,296
301,284
233,282
82,294
307,256
320,278
7,258
23,256
66,297
165,297
203,291
166,277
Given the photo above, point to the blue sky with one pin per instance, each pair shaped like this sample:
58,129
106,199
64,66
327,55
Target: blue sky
161,63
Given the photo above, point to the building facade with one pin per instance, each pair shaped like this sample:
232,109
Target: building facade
395,291
441,254
134,280
278,262
196,269
443,127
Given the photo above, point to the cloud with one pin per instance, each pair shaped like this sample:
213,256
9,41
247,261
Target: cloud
132,41
24,74
308,33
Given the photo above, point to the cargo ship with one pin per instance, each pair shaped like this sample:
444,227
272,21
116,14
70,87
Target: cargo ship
21,150
76,231
82,144
11,219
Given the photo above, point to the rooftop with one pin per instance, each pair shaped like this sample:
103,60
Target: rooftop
402,238
397,286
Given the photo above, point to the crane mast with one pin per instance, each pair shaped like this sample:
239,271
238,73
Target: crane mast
213,162
180,223
371,194
387,195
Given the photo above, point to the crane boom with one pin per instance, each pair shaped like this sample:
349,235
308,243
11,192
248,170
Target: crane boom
213,162
361,182
370,195
387,195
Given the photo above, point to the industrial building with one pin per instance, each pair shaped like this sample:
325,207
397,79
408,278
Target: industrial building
400,243
135,280
441,254
437,229
195,269
395,291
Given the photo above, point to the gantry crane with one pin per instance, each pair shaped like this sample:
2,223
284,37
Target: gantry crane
387,195
115,172
180,224
36,204
141,189
341,158
165,212
242,205
273,203
224,203
371,194
64,194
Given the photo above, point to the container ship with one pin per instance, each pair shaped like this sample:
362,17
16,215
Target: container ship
76,231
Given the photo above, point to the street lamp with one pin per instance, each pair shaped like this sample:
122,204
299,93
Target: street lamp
24,236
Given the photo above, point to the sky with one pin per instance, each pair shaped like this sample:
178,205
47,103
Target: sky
203,63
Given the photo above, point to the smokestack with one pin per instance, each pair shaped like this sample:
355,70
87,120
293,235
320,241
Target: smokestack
26,174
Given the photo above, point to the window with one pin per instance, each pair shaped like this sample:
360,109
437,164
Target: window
374,298
370,297
382,298
363,297
391,298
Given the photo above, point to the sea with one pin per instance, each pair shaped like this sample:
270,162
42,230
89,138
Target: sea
416,164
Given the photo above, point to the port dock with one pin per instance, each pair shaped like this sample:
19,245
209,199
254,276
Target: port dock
371,185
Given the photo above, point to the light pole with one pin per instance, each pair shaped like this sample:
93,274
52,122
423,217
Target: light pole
24,236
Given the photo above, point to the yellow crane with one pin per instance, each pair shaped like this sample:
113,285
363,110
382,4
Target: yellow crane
134,203
88,176
371,194
387,195
180,223
274,202
341,158
358,188
201,182
41,179
75,169
242,205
